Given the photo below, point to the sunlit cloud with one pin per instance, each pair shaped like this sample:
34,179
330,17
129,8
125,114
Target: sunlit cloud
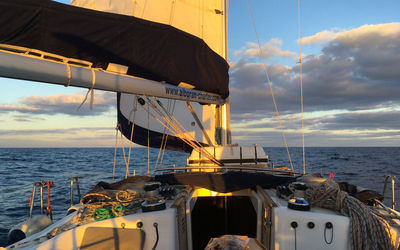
355,37
354,76
269,50
62,104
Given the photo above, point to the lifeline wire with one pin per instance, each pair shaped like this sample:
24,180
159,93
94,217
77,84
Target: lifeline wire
269,84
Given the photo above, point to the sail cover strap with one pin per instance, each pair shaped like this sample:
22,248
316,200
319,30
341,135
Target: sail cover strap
150,50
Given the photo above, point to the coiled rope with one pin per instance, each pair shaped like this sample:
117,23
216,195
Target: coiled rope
368,227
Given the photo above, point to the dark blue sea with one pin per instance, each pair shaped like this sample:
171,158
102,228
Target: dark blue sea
20,167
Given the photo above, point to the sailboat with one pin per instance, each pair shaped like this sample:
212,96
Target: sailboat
166,60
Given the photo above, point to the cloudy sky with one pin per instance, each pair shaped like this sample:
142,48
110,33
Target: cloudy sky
351,82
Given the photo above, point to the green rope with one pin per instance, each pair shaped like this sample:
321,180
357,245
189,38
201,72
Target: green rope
104,213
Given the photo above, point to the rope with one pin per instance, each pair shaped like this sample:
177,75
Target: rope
172,127
148,142
162,139
175,125
123,152
270,86
115,151
368,228
191,138
69,74
301,95
166,137
125,196
91,91
133,126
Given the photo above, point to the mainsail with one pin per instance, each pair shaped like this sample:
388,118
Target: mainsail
204,19
149,50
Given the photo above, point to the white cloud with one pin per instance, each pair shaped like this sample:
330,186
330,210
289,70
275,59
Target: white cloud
357,71
269,50
355,37
63,104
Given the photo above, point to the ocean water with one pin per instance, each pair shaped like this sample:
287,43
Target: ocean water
20,167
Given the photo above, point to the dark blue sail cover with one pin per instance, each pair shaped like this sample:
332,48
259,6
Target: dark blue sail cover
150,50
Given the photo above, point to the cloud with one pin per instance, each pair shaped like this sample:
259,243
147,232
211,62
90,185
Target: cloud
356,70
62,104
27,118
69,131
363,34
269,50
372,120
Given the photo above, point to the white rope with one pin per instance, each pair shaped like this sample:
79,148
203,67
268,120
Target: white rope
91,90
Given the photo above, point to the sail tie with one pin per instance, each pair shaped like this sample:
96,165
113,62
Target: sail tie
69,74
91,91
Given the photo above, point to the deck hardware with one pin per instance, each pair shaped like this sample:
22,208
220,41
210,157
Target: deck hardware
328,225
76,178
40,184
310,225
123,225
294,226
139,224
384,189
155,224
299,204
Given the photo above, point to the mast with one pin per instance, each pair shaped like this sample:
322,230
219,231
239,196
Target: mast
223,128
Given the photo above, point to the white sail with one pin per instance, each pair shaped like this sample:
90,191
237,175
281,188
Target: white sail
205,19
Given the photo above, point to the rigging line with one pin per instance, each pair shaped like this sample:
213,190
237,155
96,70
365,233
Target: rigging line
173,126
170,129
133,127
115,151
191,109
172,118
301,94
270,86
178,133
191,138
166,137
148,142
123,152
181,135
162,139
171,14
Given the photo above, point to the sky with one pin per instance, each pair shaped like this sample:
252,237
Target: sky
351,82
